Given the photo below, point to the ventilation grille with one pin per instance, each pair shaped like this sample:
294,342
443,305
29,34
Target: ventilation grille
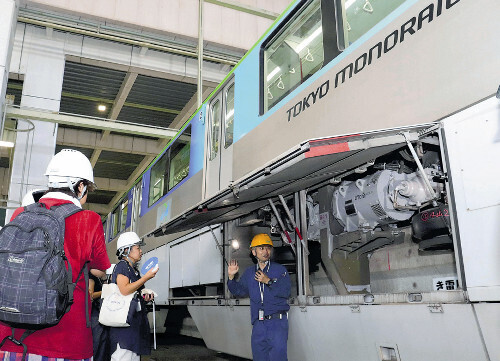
379,211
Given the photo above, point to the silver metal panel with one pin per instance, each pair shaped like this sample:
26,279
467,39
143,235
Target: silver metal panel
472,139
159,284
224,328
321,333
292,171
190,261
488,316
210,259
176,266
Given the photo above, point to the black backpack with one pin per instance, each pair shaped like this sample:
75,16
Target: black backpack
36,289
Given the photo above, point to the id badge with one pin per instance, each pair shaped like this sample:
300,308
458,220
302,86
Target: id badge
261,315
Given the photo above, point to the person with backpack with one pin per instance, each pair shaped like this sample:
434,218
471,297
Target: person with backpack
128,343
65,240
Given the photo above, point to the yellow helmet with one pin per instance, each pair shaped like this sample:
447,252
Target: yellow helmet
261,239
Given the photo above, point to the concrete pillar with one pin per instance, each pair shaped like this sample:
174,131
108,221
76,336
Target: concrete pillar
43,66
8,20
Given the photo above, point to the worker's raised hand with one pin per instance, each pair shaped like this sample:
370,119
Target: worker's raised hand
232,269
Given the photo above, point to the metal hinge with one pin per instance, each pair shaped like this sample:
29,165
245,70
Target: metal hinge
355,308
436,308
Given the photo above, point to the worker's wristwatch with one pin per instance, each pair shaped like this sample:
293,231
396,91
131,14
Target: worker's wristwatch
270,282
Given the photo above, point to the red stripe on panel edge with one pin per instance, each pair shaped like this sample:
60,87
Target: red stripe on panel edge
317,150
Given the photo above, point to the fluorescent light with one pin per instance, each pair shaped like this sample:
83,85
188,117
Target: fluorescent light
273,73
3,143
101,107
309,39
348,3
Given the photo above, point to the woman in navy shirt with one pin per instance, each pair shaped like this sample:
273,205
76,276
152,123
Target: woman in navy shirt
128,343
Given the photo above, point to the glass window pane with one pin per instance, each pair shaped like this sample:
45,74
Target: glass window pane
116,221
294,55
362,15
215,129
158,183
229,124
123,221
179,161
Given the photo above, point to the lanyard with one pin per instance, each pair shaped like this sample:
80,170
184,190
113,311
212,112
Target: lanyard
261,285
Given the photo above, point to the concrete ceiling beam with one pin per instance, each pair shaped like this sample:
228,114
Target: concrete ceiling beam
122,95
113,185
87,122
236,5
82,138
103,209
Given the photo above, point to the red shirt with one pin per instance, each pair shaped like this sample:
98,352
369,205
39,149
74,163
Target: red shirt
70,338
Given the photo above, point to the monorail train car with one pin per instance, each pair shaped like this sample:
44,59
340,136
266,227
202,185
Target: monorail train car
362,135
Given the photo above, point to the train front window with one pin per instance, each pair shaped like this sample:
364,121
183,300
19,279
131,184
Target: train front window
179,158
295,54
362,15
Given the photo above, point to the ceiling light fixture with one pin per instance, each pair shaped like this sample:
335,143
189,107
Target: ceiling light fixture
235,244
101,107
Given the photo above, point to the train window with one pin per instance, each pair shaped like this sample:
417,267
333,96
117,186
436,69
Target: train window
179,161
158,183
214,129
123,214
171,168
362,15
229,123
115,221
294,55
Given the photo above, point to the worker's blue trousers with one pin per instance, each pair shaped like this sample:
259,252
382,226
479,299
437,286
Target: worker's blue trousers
269,338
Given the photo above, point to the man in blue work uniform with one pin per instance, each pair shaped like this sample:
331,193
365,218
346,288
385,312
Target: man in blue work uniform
268,285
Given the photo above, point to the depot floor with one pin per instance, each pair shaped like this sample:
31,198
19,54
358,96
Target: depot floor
183,348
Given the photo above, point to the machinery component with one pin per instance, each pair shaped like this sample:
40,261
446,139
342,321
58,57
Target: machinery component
363,242
284,233
290,218
384,197
313,226
431,229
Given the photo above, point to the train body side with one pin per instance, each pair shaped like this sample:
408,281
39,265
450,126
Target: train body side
449,63
427,68
438,62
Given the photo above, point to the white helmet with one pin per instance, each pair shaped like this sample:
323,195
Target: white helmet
32,196
127,240
71,166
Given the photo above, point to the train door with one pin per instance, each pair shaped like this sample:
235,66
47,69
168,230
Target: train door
219,155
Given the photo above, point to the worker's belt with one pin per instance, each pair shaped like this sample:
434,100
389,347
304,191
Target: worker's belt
278,315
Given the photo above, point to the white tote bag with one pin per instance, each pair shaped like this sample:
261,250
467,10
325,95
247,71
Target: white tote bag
115,306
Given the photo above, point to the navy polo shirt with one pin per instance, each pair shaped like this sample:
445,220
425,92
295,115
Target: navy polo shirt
275,296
